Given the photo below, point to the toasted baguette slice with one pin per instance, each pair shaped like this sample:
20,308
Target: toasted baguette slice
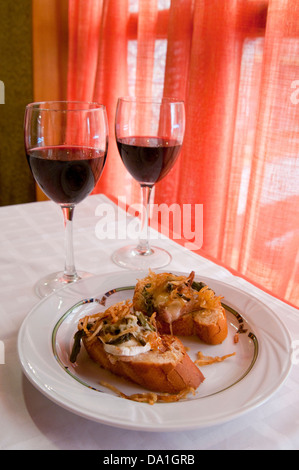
128,344
170,371
209,325
183,307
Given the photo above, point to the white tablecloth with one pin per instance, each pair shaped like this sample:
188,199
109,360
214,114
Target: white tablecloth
32,245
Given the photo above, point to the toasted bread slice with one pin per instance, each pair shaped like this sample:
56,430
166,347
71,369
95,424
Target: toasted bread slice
183,307
170,371
116,340
209,325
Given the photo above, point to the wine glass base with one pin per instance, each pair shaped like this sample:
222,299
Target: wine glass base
55,281
129,257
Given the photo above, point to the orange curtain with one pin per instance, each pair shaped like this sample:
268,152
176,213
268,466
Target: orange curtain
269,245
234,62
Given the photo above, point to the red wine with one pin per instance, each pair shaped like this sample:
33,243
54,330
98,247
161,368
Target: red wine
148,159
66,174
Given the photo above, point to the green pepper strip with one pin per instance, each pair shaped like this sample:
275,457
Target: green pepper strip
77,345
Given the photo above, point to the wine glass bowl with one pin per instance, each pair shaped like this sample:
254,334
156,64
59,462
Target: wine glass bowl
66,146
149,135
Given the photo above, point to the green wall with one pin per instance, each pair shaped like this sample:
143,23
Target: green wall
16,182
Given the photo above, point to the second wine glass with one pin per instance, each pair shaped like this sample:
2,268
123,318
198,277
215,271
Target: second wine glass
149,135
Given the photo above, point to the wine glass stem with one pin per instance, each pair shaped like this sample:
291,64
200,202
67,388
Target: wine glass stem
143,245
70,273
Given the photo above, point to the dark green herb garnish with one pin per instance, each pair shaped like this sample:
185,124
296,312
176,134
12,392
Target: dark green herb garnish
77,345
169,287
121,339
143,322
184,297
148,300
141,341
197,285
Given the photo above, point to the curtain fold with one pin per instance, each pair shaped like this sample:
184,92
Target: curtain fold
211,100
178,56
235,63
269,250
146,38
84,26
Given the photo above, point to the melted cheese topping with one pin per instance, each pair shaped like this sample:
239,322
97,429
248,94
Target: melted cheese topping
173,310
129,348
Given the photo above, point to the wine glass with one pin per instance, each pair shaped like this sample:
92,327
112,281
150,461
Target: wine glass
66,146
149,135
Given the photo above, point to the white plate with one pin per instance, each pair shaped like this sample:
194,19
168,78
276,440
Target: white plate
231,388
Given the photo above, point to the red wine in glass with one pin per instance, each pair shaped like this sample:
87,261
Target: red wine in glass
66,174
148,159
